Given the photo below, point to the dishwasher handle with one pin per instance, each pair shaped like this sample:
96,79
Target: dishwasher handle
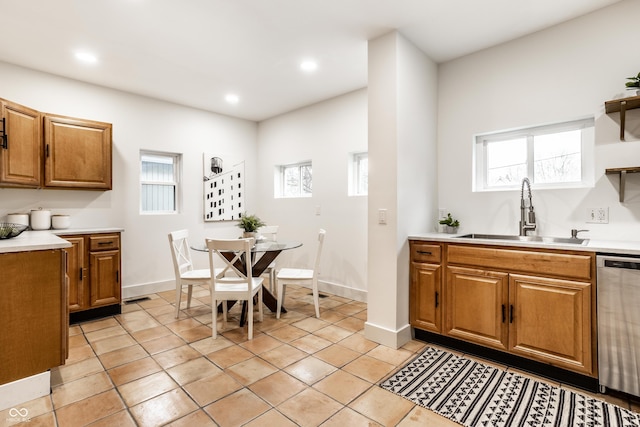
616,263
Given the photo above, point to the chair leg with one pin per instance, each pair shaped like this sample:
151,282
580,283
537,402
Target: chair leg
316,298
260,312
250,317
272,281
281,290
178,298
214,315
189,292
224,314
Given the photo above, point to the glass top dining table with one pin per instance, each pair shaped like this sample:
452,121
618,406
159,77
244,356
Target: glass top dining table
269,249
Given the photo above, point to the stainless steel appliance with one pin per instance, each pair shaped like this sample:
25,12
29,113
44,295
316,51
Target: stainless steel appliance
619,323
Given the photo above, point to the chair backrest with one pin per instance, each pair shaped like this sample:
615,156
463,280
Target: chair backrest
233,255
269,232
180,250
316,266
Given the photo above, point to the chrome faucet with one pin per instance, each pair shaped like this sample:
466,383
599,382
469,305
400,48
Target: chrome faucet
528,220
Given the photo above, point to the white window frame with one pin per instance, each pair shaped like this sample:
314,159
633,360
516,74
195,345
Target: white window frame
355,174
586,125
280,181
177,170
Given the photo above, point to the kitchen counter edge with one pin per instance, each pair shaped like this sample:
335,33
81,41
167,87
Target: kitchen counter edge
46,239
593,245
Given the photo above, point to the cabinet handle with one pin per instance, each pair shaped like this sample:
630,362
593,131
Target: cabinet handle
425,252
511,313
46,151
117,276
80,273
5,138
503,314
105,243
437,302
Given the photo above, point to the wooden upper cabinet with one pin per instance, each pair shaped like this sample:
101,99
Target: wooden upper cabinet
77,153
21,155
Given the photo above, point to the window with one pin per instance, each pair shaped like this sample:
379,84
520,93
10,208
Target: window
159,182
294,180
558,155
358,174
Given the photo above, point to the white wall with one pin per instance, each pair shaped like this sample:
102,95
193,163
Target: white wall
561,73
138,123
325,133
402,176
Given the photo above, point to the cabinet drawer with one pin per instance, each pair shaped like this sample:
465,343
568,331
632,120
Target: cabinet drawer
104,242
549,263
425,252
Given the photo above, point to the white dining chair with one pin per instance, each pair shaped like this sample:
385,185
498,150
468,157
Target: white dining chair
290,276
186,275
232,283
270,232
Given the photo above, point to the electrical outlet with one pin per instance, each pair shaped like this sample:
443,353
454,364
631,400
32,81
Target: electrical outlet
442,212
598,215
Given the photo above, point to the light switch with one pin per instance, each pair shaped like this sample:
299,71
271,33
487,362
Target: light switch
382,216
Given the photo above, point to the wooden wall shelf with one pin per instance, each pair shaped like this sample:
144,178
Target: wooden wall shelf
622,105
623,176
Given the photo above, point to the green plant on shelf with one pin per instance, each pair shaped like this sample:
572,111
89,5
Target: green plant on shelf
633,83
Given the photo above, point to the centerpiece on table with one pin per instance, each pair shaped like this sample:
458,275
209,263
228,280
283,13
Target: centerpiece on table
250,224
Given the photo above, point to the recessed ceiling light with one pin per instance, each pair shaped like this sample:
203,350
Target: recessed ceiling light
308,66
232,98
86,57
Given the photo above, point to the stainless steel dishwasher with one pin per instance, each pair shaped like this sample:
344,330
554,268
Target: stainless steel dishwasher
618,305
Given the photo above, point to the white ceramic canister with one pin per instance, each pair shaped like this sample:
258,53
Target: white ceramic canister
60,222
18,218
40,219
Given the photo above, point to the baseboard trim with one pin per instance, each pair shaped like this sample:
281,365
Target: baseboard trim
387,337
142,289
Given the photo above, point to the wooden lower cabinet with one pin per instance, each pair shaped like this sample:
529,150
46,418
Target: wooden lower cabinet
551,321
33,313
425,310
93,268
426,296
524,302
475,306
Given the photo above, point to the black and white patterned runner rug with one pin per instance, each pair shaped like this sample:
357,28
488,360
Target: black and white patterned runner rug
473,394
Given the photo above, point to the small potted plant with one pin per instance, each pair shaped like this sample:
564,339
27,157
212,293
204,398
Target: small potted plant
634,83
450,223
250,224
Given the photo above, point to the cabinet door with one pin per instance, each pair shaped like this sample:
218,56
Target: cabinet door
475,306
76,272
425,296
21,156
77,153
105,277
33,313
561,336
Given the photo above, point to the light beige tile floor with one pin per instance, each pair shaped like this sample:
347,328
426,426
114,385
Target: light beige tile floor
146,368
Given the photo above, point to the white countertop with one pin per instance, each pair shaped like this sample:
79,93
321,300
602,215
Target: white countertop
46,239
593,245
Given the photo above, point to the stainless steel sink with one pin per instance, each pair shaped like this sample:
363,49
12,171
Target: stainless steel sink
542,239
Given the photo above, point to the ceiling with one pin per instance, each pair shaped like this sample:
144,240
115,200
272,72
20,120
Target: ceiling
194,52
